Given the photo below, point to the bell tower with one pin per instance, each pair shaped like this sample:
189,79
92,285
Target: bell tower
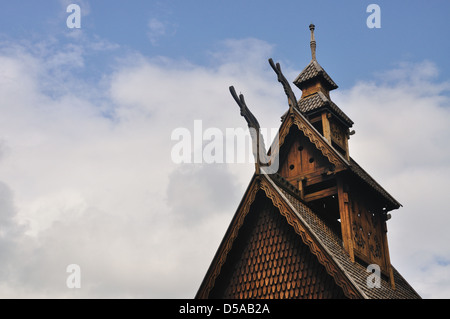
317,106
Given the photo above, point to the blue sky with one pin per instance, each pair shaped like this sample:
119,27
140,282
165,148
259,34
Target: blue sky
411,31
86,117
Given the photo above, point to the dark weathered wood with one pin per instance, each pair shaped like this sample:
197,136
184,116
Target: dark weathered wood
292,100
321,194
345,219
310,179
245,111
368,230
258,146
302,159
326,127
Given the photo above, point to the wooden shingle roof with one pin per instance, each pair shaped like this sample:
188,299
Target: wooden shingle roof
274,262
358,171
319,101
314,71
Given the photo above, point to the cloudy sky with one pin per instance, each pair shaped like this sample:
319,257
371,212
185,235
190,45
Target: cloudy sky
87,115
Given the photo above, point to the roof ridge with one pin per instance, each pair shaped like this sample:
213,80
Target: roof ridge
318,66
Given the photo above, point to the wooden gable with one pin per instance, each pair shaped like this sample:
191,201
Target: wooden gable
301,157
268,252
270,260
305,167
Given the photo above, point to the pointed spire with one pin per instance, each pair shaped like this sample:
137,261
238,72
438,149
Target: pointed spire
306,80
313,41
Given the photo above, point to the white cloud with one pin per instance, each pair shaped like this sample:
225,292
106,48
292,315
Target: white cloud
102,192
158,29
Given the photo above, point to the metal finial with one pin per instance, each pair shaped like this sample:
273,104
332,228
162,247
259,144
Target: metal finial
313,41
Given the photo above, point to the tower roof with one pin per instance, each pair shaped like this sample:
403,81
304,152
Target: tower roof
316,84
318,101
313,70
